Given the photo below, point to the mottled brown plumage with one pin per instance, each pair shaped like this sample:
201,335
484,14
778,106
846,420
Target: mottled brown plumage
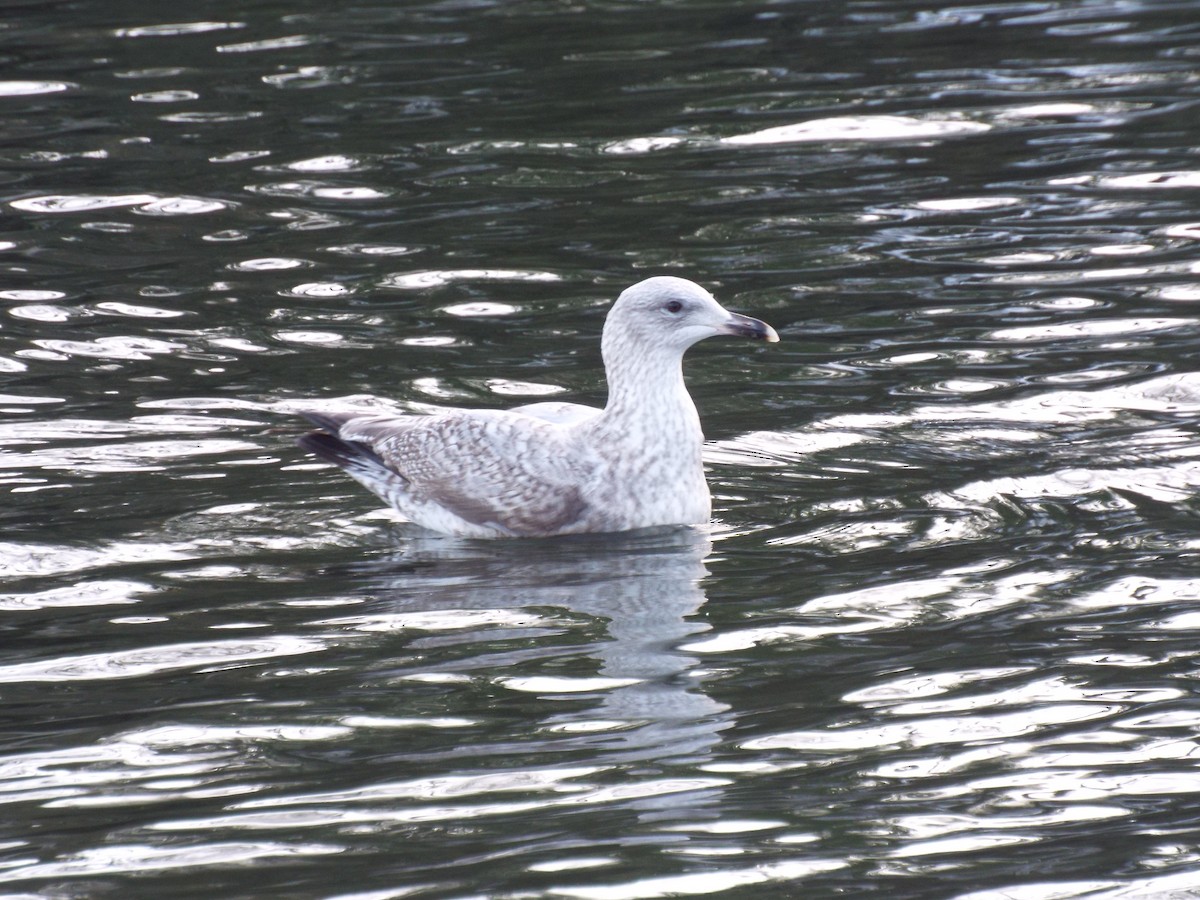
557,468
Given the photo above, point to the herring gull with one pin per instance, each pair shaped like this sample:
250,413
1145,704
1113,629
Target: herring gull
556,468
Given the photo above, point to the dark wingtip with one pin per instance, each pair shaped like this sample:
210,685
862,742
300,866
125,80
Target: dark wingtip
331,448
327,447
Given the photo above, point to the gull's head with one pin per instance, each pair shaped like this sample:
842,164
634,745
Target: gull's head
674,312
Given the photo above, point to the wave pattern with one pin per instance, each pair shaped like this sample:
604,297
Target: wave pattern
941,639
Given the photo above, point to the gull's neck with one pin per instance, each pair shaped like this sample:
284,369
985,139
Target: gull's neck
643,451
647,443
646,392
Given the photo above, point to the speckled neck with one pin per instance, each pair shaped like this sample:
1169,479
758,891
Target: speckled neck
648,403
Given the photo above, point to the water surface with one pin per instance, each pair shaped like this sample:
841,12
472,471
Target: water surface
940,640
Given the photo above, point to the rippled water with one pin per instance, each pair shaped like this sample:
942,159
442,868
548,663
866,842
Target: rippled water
941,640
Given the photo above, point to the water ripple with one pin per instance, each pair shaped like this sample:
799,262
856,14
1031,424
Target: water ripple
280,43
941,637
117,347
149,858
702,883
422,280
860,128
85,593
27,88
152,660
549,790
147,204
177,29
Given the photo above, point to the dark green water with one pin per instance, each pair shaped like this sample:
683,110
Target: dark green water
942,638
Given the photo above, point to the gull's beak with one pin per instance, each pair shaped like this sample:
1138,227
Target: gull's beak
744,326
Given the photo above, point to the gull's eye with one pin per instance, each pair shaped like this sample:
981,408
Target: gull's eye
674,306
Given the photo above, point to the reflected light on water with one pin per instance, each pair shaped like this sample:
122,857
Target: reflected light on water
940,639
860,128
149,858
149,660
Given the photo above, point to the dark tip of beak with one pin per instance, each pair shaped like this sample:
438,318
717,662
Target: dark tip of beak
744,326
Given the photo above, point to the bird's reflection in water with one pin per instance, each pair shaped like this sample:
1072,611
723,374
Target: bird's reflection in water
631,598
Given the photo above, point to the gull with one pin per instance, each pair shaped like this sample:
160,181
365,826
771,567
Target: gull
553,468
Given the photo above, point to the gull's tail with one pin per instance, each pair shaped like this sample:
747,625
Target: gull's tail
359,460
